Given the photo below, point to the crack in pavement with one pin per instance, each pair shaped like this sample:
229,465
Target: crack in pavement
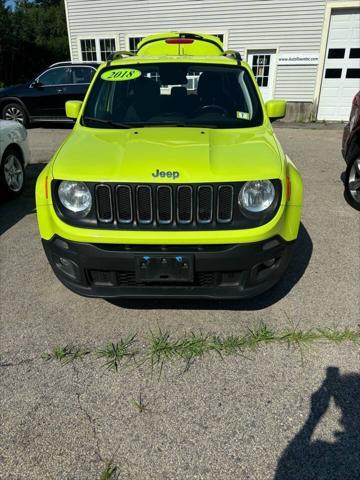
89,419
21,362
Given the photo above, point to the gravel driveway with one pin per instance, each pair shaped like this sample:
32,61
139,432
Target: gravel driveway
277,412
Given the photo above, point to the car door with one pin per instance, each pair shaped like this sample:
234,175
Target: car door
81,76
50,89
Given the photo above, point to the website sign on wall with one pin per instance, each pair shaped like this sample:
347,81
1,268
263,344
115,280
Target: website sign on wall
298,58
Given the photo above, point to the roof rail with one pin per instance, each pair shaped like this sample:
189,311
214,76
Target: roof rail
234,54
65,62
119,54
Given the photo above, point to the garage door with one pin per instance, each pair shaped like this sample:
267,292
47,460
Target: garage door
341,77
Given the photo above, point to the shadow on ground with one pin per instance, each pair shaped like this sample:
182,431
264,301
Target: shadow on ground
12,211
304,459
297,267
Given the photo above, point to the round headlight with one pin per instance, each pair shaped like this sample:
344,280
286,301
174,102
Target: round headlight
255,197
76,197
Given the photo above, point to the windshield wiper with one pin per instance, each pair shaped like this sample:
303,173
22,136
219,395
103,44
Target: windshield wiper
106,122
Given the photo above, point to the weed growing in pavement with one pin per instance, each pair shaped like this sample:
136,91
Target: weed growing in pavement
66,354
116,353
109,472
161,347
339,336
140,404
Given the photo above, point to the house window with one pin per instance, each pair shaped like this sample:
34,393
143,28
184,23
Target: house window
97,49
220,36
88,50
133,43
261,69
333,73
107,46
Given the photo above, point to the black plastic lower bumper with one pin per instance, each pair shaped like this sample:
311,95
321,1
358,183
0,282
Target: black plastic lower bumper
217,271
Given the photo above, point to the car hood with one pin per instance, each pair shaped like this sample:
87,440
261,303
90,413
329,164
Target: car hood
183,154
7,91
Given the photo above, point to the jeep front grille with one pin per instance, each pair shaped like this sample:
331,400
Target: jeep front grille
165,205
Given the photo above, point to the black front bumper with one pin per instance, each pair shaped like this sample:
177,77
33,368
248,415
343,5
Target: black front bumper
219,271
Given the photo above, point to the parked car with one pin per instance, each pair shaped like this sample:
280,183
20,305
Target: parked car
351,154
14,156
44,97
162,190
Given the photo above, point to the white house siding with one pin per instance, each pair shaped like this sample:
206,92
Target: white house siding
281,25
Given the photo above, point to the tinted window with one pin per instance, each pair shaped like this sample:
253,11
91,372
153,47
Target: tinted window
171,93
336,53
56,76
82,74
333,73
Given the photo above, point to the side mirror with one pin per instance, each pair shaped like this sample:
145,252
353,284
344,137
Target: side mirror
36,84
72,108
275,109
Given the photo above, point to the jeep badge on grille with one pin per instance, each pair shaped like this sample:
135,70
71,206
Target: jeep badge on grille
161,173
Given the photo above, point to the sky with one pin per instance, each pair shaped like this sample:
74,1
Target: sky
10,3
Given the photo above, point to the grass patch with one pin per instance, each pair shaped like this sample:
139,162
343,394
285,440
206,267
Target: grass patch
339,336
161,347
66,354
117,353
108,472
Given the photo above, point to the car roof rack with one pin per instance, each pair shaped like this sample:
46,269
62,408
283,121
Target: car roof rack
234,54
72,62
119,54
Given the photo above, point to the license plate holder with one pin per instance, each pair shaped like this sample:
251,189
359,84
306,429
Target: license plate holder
164,269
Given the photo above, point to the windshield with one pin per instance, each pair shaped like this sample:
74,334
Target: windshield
179,94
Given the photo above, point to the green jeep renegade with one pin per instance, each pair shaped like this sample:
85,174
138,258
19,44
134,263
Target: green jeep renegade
172,182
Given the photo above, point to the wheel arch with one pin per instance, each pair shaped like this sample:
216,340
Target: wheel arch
354,146
5,100
17,148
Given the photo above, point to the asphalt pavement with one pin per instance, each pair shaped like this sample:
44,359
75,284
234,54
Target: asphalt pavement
277,412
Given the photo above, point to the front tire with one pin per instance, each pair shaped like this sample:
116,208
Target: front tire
352,183
15,111
12,174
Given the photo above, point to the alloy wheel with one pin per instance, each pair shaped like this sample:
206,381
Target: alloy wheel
13,173
14,113
354,180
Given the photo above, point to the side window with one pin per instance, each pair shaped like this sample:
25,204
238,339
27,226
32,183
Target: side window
56,76
82,74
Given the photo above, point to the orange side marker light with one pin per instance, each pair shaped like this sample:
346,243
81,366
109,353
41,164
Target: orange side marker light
288,188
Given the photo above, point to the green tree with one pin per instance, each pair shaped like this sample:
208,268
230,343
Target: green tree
32,36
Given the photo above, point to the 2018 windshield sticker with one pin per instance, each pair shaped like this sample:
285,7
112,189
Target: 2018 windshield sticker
121,74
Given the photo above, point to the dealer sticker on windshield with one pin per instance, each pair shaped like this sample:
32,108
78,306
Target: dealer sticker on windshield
121,74
243,115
